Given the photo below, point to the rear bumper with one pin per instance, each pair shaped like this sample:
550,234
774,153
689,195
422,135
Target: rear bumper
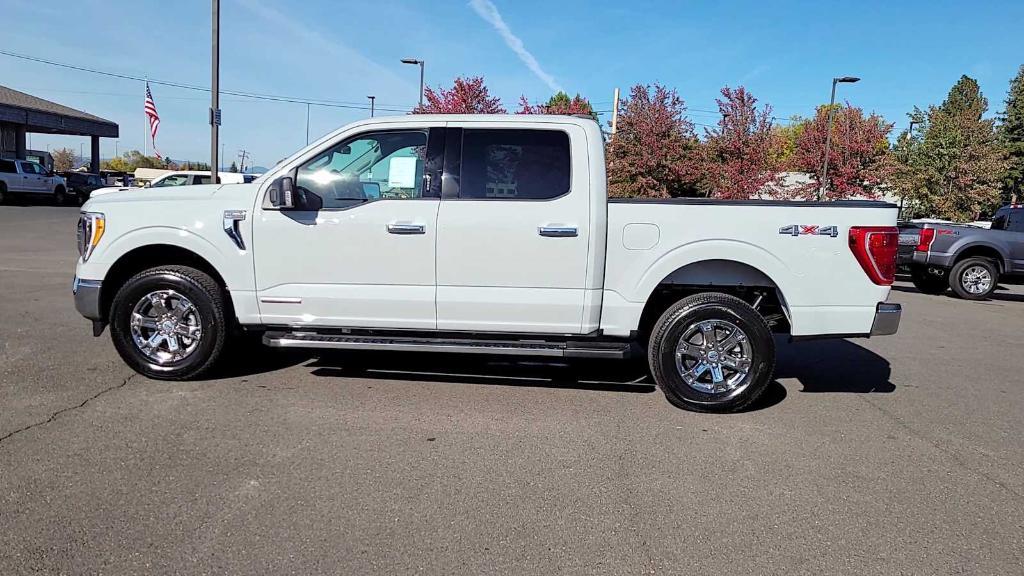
937,259
87,298
887,319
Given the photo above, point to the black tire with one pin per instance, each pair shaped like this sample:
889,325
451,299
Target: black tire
960,273
928,283
60,196
3,193
204,293
81,197
691,312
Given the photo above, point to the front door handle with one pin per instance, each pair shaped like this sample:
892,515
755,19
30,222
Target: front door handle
395,228
558,231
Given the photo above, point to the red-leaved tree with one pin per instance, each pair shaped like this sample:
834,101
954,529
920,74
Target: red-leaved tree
653,152
859,164
466,96
739,158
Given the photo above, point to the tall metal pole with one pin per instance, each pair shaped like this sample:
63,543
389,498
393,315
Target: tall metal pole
828,141
615,112
307,123
372,98
421,82
215,93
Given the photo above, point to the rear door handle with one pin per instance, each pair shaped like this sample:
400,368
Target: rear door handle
395,228
558,231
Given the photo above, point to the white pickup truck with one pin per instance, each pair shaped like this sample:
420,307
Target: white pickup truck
27,177
480,234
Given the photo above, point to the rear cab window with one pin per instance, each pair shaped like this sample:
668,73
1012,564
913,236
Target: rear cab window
514,164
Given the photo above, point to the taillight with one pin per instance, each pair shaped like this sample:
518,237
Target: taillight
875,248
924,241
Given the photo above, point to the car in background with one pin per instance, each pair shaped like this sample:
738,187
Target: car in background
26,177
968,259
82,184
186,178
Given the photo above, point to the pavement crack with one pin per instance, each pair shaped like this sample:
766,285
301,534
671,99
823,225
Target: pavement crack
54,416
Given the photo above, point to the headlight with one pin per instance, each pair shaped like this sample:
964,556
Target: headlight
90,230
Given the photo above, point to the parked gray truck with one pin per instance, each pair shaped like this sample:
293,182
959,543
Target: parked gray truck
967,259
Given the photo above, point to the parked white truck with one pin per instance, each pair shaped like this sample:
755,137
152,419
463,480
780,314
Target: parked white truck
27,177
480,234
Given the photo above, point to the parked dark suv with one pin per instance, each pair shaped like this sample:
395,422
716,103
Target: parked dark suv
967,259
81,184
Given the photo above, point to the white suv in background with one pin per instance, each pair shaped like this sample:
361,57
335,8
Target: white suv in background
26,177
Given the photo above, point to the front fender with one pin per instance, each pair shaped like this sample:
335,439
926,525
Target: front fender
102,260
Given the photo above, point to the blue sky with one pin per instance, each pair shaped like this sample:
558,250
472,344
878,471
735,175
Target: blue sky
908,53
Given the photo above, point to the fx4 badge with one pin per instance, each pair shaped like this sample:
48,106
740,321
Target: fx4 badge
809,230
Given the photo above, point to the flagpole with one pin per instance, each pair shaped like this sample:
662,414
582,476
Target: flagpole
145,126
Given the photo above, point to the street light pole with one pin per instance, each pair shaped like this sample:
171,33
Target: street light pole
215,93
372,98
828,135
421,63
307,123
910,135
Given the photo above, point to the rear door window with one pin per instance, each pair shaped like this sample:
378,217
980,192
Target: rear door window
8,167
514,164
1015,220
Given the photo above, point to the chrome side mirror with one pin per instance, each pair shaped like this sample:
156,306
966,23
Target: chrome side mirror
282,193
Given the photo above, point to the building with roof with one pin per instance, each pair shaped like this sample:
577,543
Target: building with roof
21,113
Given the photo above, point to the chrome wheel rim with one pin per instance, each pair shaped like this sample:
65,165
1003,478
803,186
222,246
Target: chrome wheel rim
976,280
166,326
714,356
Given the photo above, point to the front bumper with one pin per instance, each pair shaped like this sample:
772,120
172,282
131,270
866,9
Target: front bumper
887,319
87,298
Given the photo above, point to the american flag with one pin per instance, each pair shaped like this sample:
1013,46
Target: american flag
154,118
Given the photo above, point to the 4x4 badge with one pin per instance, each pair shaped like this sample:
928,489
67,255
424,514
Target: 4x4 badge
809,230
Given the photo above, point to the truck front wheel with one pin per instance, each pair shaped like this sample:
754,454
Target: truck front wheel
711,352
168,323
974,278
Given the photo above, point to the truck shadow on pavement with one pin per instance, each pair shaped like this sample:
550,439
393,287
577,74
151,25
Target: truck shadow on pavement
833,366
836,366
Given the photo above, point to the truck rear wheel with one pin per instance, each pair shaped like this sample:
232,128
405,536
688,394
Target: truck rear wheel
928,283
711,352
168,323
974,278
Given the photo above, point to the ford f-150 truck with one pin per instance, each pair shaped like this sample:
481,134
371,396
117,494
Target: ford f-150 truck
480,234
26,177
967,259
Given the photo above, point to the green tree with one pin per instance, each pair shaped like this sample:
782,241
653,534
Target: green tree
129,161
234,167
956,170
63,159
1011,134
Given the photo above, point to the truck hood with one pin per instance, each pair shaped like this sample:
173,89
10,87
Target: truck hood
104,196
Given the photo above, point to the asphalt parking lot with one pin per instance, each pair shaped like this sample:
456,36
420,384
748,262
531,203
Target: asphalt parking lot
896,455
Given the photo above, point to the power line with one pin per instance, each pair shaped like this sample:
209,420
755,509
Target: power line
183,86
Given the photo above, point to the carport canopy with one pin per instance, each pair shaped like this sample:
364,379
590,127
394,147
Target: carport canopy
21,113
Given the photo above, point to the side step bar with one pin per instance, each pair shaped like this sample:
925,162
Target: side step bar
568,349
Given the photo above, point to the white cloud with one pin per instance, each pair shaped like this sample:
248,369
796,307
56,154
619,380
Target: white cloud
357,64
489,12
